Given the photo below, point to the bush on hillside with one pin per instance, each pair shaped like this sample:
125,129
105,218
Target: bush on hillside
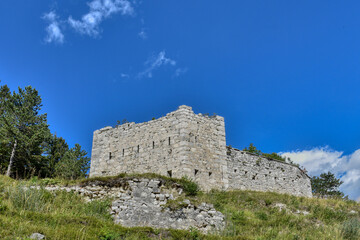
351,229
190,188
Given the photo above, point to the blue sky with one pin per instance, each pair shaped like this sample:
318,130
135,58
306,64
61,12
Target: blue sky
284,74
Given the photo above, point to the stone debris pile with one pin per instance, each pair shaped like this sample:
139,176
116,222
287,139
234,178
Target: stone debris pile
145,205
143,202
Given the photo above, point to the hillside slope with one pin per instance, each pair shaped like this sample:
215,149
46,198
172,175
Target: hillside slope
249,215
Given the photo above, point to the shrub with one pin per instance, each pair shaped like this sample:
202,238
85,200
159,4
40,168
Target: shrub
351,229
3,207
107,234
190,188
238,218
194,234
262,215
49,181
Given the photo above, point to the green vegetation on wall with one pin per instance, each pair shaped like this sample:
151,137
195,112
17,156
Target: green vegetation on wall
254,150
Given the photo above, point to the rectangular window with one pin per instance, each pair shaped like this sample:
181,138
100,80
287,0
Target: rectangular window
153,144
123,152
110,155
138,148
169,141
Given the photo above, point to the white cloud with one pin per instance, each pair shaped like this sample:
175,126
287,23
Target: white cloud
142,34
99,10
324,159
124,75
155,62
316,160
53,30
180,71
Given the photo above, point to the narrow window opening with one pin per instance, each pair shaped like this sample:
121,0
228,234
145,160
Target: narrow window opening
153,144
123,152
235,170
196,172
195,139
169,173
138,148
169,141
210,173
109,155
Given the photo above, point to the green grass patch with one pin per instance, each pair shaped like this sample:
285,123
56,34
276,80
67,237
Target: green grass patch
249,215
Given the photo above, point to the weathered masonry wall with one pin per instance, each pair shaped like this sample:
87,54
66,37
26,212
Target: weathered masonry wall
204,150
194,145
180,144
251,172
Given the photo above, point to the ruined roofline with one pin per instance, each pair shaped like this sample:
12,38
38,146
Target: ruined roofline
270,159
180,108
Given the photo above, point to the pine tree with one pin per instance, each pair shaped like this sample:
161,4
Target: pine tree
252,149
55,150
74,164
23,129
326,185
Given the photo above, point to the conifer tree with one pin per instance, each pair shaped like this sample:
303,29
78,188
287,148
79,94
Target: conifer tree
22,128
74,164
55,150
326,185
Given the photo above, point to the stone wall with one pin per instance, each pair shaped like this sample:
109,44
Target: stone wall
194,145
143,202
248,171
180,144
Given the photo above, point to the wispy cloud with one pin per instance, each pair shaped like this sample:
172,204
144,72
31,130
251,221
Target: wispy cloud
142,34
124,75
323,159
180,71
53,31
154,63
100,10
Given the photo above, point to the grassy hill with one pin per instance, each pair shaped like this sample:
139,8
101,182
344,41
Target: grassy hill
249,215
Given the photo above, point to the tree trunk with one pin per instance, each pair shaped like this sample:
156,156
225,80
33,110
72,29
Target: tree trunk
11,159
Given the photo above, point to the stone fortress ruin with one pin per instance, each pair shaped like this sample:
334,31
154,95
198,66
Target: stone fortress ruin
183,143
